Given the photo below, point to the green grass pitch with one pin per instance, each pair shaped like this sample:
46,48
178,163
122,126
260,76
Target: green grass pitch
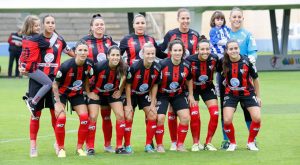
278,139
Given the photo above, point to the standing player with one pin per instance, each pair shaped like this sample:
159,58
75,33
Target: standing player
175,74
98,43
31,44
203,66
70,80
190,39
141,77
49,64
242,85
132,44
109,85
248,48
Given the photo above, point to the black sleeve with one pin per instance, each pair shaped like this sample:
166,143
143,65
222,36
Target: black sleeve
163,46
123,45
160,54
129,76
61,74
253,71
41,41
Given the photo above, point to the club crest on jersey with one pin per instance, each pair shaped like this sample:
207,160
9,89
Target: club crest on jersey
203,78
234,82
183,74
174,85
108,86
77,85
49,57
101,57
153,76
210,67
57,45
138,76
144,87
192,42
58,74
242,71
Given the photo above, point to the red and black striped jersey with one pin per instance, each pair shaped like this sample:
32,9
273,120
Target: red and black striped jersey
50,58
72,77
239,77
106,80
98,47
203,71
173,77
190,40
133,44
142,79
30,55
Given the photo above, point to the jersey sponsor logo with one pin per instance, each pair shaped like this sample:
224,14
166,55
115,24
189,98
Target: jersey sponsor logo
108,86
58,74
144,87
174,85
77,85
203,79
49,57
101,57
234,82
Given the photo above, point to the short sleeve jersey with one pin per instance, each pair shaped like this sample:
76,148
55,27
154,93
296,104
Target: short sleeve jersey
142,79
239,77
202,71
98,47
72,77
173,77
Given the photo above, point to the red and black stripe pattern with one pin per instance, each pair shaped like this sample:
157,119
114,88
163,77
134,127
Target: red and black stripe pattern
141,78
71,77
50,58
190,40
30,55
202,71
106,79
173,77
239,77
98,47
133,44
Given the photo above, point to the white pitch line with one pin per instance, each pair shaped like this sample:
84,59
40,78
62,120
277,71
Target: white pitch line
25,139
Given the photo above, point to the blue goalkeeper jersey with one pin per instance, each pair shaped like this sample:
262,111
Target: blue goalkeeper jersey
246,42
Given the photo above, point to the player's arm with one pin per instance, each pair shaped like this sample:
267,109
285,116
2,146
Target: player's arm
257,90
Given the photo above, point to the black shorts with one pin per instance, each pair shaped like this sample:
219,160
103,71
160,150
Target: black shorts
46,101
207,94
92,101
247,101
139,100
177,102
106,100
75,100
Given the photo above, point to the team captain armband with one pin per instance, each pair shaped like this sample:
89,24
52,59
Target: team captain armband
67,49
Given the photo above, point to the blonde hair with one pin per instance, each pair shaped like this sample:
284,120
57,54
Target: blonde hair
28,24
235,9
147,45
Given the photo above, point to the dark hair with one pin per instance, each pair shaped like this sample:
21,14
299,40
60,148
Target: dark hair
226,59
176,41
122,67
46,16
80,42
217,14
94,17
202,39
182,10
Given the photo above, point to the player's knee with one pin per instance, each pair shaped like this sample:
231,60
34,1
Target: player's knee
160,119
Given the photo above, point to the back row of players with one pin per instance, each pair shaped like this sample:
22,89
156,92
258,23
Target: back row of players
173,84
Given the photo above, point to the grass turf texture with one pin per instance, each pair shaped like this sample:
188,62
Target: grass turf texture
278,138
